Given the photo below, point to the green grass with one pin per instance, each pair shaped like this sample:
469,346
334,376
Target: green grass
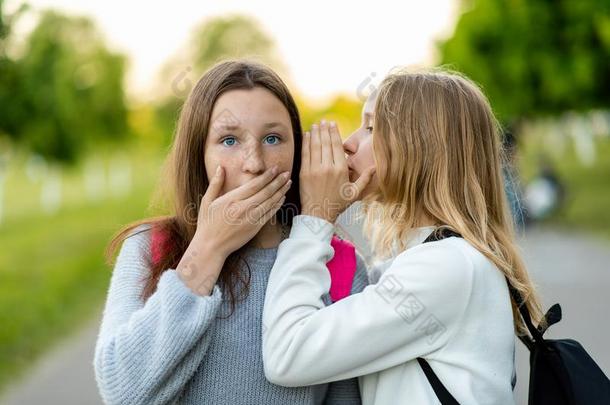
52,271
53,277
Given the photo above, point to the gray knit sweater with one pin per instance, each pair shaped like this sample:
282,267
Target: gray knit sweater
175,348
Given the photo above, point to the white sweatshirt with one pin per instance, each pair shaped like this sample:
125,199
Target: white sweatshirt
443,301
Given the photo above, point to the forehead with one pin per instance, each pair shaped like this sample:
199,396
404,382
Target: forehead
369,104
249,107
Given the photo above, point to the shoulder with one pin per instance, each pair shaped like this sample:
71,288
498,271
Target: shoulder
140,235
451,250
445,263
136,245
132,265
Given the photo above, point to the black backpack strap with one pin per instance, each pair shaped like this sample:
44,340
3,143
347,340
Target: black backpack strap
536,333
439,389
553,316
441,233
443,395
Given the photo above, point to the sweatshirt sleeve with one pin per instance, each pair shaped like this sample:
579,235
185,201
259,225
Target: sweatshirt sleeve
147,351
412,311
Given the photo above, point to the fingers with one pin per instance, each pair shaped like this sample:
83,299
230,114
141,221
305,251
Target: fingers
315,146
326,146
274,209
327,152
364,180
262,209
215,186
337,144
305,152
281,183
253,186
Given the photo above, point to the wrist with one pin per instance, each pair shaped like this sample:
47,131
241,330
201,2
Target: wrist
311,227
207,245
200,266
319,212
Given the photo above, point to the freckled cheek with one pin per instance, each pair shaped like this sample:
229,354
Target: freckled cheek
233,170
231,164
282,157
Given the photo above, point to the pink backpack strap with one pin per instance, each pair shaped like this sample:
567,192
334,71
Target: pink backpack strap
158,245
342,268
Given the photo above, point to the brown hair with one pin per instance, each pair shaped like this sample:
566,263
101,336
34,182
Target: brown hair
185,172
437,147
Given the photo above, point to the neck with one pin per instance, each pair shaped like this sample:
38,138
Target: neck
269,236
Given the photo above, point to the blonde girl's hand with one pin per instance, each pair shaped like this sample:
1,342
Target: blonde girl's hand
325,188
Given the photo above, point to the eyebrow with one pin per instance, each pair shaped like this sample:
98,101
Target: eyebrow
367,117
228,127
270,125
233,127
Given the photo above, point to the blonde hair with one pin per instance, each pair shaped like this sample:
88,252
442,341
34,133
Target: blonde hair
437,150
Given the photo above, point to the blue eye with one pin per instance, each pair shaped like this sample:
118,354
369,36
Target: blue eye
229,141
274,139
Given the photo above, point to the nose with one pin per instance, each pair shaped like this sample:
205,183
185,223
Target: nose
350,146
253,161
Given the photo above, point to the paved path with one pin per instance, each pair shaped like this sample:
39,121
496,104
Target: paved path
571,269
63,377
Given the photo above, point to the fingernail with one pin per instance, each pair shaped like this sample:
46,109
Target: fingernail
323,122
274,170
285,175
218,170
333,124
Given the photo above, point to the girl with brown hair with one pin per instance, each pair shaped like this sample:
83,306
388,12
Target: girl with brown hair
182,321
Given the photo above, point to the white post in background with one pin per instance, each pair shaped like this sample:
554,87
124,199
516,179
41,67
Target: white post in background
119,175
95,181
50,196
5,156
582,134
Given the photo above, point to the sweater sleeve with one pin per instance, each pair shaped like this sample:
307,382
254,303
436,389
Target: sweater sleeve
411,312
147,351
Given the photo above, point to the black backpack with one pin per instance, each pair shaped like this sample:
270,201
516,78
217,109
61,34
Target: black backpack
561,371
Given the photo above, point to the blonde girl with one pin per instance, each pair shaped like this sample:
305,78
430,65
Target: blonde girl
435,146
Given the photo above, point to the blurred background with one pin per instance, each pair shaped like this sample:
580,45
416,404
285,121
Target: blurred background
89,96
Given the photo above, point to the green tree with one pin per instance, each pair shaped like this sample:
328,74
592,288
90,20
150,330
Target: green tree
534,57
11,103
219,38
69,88
232,37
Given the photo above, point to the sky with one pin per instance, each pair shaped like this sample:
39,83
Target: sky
328,47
